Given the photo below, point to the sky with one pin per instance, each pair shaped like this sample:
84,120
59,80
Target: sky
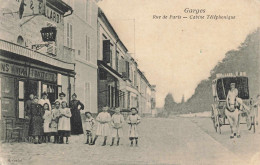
176,54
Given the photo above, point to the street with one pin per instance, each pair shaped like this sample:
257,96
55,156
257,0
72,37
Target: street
162,141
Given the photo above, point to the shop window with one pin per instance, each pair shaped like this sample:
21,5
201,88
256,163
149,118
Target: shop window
87,96
21,99
50,89
58,79
7,96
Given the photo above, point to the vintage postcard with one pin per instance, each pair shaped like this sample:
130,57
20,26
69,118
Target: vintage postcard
130,82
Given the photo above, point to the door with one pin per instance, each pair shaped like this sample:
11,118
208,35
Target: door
31,87
51,90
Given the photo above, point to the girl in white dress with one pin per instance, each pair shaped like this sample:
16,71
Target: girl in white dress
103,129
64,122
133,120
89,124
116,123
55,120
47,121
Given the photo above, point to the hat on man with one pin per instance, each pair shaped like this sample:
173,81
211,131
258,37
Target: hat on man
62,94
74,94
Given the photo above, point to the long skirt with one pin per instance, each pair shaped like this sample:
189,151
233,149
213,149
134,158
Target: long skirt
76,123
36,126
103,129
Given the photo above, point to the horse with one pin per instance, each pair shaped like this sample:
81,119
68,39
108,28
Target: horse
233,109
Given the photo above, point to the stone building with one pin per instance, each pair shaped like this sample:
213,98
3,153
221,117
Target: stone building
120,82
80,34
33,57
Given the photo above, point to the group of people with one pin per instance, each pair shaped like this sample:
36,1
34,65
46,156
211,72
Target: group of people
56,119
61,120
105,120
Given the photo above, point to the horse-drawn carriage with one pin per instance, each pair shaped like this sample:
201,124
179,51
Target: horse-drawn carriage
221,86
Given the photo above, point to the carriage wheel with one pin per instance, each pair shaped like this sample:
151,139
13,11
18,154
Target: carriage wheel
249,122
218,125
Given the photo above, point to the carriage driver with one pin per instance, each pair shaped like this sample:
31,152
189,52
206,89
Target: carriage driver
234,105
232,99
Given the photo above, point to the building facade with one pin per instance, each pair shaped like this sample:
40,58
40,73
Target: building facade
28,64
80,34
120,82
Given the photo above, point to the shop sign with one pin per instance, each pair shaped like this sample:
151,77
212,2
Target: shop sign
22,71
43,75
48,33
13,69
52,15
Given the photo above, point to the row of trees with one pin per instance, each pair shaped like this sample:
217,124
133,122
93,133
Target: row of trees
244,59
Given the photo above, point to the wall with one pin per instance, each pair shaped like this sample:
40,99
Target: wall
11,26
86,68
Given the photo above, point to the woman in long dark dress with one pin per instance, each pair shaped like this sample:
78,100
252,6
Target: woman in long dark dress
75,120
36,121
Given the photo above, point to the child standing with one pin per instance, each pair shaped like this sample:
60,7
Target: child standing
117,122
47,122
133,120
64,122
103,129
89,124
54,122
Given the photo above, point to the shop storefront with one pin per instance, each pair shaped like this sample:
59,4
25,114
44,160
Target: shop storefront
21,76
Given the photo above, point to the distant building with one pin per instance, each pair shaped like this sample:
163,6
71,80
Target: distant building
120,83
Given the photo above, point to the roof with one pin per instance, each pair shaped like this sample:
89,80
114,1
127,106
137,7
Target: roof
103,17
143,76
60,5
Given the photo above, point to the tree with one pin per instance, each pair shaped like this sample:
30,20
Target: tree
169,104
182,99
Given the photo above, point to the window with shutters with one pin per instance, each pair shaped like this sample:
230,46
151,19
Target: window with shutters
88,48
106,51
128,99
87,96
69,35
117,61
135,79
21,99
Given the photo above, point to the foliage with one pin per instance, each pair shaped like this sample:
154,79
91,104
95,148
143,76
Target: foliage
244,59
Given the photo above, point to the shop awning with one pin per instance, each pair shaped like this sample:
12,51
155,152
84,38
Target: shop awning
29,53
122,83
